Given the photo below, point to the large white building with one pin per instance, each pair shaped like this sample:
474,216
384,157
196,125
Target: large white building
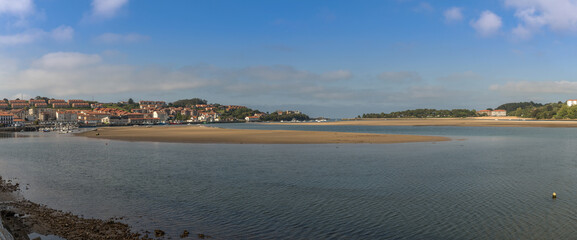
571,102
67,117
6,119
499,113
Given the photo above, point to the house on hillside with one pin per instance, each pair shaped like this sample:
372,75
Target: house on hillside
494,113
252,119
571,102
499,113
484,112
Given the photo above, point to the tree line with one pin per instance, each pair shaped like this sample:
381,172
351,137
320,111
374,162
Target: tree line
424,113
275,117
558,110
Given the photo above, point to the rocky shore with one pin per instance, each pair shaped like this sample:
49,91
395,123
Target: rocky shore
21,218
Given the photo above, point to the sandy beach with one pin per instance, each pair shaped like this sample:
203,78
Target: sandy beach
466,122
201,134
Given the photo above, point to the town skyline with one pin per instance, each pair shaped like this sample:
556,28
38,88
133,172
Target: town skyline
328,58
45,111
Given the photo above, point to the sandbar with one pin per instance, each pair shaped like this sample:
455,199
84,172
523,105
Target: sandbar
200,134
466,122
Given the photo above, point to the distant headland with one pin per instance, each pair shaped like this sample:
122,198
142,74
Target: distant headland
529,110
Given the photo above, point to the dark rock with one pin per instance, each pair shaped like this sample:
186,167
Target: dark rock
158,233
184,234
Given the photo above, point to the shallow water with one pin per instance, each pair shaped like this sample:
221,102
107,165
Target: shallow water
496,184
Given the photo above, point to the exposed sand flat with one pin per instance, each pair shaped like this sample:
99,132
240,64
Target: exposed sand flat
468,122
195,134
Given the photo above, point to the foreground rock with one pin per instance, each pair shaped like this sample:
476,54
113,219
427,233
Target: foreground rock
22,217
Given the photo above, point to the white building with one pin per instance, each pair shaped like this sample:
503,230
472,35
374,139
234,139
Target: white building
6,119
160,115
571,102
115,120
499,113
67,117
252,119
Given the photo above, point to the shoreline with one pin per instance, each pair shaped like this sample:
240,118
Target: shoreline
21,219
456,122
200,134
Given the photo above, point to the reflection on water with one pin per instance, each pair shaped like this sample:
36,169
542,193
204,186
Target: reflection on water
495,185
9,135
6,135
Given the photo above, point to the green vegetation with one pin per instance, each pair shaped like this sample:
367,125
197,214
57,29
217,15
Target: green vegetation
510,107
275,117
121,106
187,102
42,98
424,113
239,113
544,111
181,117
557,110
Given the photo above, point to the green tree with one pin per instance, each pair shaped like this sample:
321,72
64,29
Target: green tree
188,102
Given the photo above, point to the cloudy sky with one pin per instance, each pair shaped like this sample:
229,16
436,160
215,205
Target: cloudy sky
327,58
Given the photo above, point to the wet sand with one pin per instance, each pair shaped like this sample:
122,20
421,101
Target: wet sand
200,134
467,122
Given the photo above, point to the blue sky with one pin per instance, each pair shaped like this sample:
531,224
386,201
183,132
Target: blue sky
326,58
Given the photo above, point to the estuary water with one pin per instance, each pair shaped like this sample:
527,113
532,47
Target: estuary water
488,183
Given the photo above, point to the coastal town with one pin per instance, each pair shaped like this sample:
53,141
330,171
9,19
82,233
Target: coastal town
42,111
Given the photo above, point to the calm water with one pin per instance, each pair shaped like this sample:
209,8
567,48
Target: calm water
495,184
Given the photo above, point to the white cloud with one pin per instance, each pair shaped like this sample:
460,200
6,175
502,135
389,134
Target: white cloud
73,73
76,74
60,60
284,73
453,14
16,7
488,24
21,38
557,15
113,38
545,87
7,67
467,76
63,33
521,32
107,8
424,7
60,34
337,75
400,77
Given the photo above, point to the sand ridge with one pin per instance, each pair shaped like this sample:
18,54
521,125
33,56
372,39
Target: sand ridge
201,134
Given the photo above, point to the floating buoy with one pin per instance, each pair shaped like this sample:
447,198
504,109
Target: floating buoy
554,195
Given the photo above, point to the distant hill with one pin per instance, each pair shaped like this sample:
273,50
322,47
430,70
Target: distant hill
510,107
